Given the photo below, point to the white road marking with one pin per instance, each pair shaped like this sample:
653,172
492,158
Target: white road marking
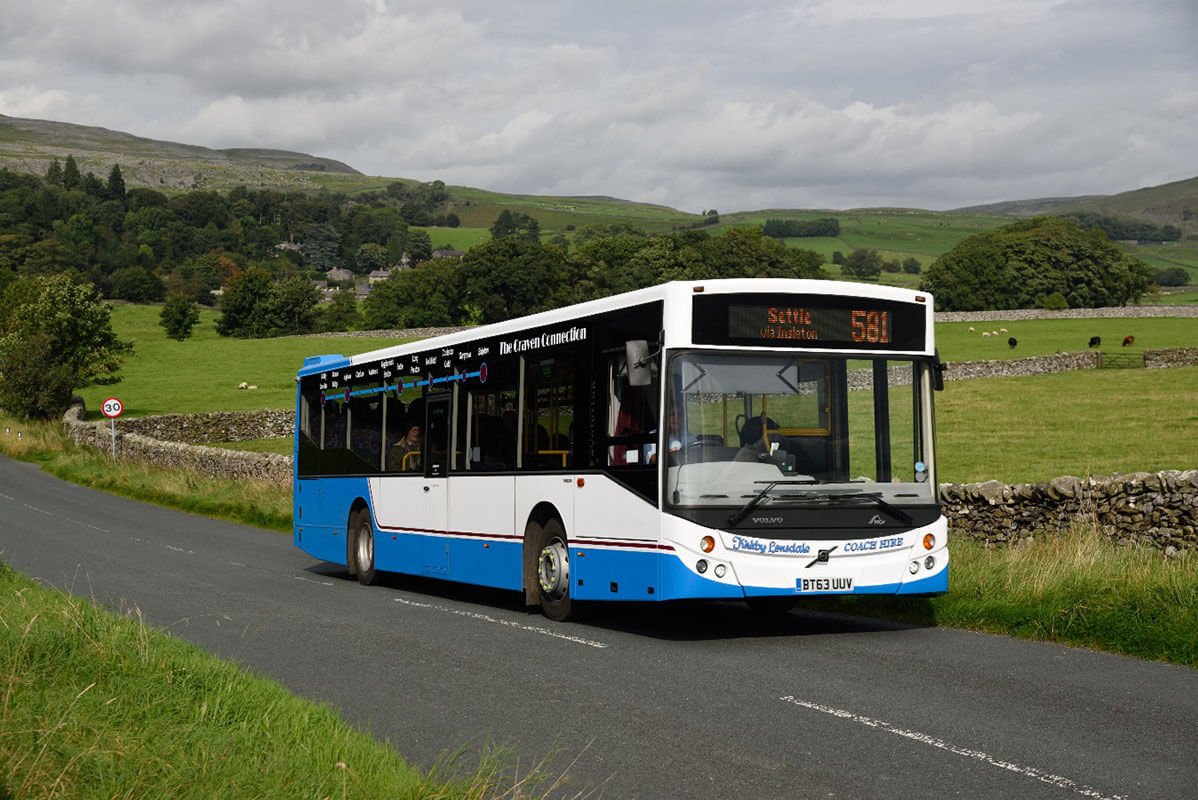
179,549
1030,772
309,580
38,510
505,622
6,497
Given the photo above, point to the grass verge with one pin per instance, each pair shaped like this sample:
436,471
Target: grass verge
98,705
1075,588
251,502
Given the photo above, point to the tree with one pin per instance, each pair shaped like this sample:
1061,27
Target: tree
56,336
911,265
115,188
71,179
242,304
135,284
370,257
252,307
290,308
1019,265
178,316
511,277
427,295
342,314
863,263
54,173
519,226
321,247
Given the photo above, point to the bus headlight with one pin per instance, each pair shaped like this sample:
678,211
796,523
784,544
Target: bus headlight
719,570
707,544
929,541
929,562
913,567
701,566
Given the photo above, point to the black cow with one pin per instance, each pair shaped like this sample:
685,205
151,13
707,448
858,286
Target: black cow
1012,342
1095,341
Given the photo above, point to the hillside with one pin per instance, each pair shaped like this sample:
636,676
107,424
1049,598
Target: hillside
1173,203
28,145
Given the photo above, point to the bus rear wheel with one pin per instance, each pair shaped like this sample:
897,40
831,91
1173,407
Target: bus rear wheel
553,571
362,547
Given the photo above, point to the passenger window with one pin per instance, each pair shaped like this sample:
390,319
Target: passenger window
631,417
548,432
487,423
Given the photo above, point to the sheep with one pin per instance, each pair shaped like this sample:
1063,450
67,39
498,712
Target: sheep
971,329
1095,341
251,387
1012,342
985,334
1003,330
242,385
994,333
1128,341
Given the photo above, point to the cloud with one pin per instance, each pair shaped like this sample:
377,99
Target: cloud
825,104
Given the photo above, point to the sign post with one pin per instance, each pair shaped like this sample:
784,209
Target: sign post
112,409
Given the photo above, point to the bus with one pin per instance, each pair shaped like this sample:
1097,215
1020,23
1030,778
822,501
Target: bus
764,440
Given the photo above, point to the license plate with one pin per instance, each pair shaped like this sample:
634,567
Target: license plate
824,584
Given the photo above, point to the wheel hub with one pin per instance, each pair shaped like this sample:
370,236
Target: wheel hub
554,570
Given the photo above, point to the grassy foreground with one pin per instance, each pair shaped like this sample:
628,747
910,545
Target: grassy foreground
1075,588
97,705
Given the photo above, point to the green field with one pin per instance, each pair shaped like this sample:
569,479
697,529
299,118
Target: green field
1047,336
1088,422
202,373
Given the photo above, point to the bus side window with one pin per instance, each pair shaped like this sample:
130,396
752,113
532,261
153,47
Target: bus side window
487,421
549,410
631,421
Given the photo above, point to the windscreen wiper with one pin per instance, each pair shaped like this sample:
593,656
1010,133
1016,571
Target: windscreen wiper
737,517
889,508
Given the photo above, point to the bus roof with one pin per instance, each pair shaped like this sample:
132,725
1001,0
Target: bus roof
674,292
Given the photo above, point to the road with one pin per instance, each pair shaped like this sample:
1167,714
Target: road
677,701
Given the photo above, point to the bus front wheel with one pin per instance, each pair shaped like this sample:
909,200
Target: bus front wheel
362,547
553,571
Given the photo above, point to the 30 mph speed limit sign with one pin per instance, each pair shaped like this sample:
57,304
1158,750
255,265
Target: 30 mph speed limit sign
112,408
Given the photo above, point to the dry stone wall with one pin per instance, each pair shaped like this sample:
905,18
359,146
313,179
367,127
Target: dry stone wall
1150,508
210,461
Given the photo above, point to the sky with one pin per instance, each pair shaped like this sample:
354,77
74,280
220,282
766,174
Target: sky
740,105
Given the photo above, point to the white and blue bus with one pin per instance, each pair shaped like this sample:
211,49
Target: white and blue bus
757,439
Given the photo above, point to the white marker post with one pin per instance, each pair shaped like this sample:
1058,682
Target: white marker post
112,409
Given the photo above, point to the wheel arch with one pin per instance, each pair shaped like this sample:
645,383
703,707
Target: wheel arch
350,528
540,514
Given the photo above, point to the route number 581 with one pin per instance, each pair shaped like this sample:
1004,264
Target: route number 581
871,326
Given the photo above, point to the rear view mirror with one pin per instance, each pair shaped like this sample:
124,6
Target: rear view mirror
636,351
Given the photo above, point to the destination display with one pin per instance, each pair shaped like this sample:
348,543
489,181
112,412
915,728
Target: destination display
816,321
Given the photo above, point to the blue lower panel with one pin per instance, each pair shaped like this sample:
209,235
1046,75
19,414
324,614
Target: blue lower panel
933,584
320,542
496,564
679,583
601,574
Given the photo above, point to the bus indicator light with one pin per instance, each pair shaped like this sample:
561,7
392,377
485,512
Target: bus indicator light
707,544
929,541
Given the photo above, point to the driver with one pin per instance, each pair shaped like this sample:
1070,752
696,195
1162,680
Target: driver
677,437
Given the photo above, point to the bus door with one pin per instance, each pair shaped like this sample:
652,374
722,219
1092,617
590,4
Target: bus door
434,550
